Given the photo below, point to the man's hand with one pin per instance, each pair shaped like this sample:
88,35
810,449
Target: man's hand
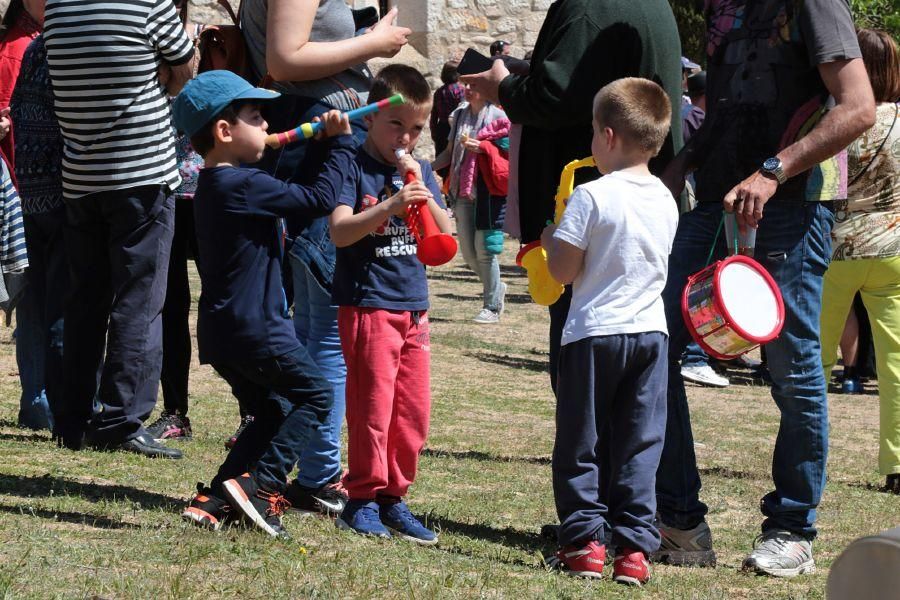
4,122
488,83
747,199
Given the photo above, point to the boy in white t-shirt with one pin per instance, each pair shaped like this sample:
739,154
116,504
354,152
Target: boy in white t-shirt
613,245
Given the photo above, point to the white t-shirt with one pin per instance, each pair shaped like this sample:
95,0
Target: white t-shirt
625,224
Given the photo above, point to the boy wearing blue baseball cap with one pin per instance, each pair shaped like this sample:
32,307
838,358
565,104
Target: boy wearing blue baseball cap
243,329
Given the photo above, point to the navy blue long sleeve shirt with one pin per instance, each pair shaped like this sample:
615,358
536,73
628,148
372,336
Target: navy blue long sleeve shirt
242,313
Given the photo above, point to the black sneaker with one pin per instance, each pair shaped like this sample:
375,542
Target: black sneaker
170,425
328,500
231,441
261,507
208,510
145,445
892,484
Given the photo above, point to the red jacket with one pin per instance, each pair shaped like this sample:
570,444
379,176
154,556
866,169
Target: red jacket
493,166
12,47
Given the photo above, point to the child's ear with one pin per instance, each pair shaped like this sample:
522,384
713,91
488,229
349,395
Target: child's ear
611,138
222,131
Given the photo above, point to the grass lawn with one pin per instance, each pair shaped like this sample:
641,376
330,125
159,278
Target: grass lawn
78,525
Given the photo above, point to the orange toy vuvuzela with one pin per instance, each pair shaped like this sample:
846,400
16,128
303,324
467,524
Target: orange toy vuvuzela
433,248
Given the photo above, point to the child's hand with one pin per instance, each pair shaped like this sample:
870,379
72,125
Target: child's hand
336,123
547,236
4,122
411,193
407,163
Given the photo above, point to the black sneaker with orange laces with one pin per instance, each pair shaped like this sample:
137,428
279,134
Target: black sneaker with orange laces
261,507
207,509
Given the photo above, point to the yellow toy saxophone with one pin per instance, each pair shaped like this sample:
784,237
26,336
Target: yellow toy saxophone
543,288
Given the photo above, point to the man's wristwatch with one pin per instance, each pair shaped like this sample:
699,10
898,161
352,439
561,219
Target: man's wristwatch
772,166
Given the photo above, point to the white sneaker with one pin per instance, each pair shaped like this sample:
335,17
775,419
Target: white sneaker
487,317
704,375
780,554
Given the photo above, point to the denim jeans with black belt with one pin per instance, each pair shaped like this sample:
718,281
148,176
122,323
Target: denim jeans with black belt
794,245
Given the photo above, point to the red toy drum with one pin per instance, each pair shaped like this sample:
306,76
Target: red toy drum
732,306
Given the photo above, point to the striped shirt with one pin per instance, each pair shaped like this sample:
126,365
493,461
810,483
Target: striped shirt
13,255
104,56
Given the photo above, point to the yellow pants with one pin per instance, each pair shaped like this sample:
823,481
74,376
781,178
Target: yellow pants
878,282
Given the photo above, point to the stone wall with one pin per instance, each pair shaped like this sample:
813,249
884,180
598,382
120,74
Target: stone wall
445,28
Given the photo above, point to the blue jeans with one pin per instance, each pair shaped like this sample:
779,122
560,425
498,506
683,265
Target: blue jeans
34,409
289,399
39,319
480,261
315,322
694,356
794,245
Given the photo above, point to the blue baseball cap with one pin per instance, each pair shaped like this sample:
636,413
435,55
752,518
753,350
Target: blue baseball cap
205,96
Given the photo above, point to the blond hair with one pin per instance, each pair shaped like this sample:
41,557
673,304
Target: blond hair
637,109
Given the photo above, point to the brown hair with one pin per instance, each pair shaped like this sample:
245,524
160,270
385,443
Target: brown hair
401,79
879,53
204,141
636,109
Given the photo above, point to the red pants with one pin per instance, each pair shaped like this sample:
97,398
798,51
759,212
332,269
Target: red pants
388,358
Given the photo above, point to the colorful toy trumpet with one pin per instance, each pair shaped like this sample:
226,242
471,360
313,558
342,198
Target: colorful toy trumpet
308,130
433,247
545,290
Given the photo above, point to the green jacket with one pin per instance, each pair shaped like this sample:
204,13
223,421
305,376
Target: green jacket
582,46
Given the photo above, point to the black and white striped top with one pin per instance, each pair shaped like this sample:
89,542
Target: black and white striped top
112,110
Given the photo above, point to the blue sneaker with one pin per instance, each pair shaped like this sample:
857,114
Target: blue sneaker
851,385
35,414
398,519
361,517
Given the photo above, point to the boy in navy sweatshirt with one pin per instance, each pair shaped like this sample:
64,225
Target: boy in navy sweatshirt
242,328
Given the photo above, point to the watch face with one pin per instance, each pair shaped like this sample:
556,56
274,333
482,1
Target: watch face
771,164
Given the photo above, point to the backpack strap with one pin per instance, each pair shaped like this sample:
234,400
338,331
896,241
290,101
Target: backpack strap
227,6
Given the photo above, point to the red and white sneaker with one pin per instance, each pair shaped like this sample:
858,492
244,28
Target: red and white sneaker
580,561
631,567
